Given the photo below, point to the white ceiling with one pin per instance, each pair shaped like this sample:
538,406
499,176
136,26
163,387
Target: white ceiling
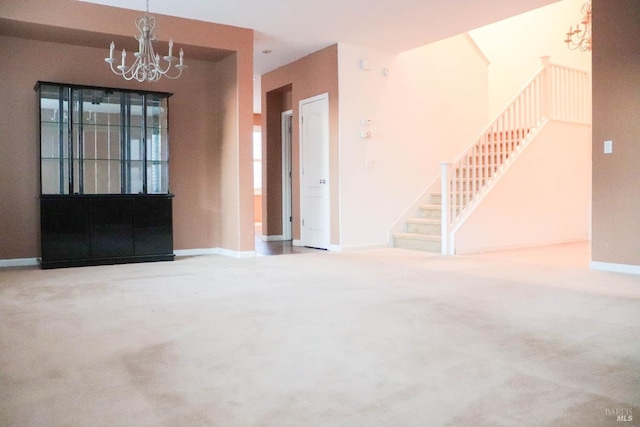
291,29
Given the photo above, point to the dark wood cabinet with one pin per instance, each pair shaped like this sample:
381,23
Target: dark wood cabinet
82,230
104,176
64,229
152,226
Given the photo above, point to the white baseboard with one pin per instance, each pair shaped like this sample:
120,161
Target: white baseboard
196,252
18,262
272,238
30,262
236,254
363,247
515,247
215,251
615,268
339,248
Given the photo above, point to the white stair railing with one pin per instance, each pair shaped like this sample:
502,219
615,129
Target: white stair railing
554,92
569,94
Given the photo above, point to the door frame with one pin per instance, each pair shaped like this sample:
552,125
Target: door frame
287,176
302,191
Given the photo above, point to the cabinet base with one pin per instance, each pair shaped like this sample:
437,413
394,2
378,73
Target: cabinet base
104,261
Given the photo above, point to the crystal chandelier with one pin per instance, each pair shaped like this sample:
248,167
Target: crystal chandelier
580,38
147,63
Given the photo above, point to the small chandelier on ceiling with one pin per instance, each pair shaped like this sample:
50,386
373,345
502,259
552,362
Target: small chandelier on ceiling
147,63
580,38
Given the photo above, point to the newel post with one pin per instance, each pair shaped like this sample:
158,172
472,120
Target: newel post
545,93
445,188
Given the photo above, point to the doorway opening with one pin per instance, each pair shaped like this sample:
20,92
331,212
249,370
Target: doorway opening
287,175
257,179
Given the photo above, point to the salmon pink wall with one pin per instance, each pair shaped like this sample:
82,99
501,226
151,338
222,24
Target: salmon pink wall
234,161
210,114
277,102
616,117
283,89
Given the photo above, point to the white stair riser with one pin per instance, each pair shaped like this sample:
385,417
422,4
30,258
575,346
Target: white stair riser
431,229
418,245
429,213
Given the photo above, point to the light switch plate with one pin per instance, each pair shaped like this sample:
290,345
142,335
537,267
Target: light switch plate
365,65
608,147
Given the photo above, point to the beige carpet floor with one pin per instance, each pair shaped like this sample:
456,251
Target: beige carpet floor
374,338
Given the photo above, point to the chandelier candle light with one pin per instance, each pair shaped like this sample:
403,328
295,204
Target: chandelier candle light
580,38
147,64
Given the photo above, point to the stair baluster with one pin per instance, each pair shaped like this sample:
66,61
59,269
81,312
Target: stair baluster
554,92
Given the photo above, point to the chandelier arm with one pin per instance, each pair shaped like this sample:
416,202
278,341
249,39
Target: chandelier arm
165,72
580,38
174,77
121,73
147,66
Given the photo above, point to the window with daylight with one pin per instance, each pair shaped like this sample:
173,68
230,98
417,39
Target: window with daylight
257,162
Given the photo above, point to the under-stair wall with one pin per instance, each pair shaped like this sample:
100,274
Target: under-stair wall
543,198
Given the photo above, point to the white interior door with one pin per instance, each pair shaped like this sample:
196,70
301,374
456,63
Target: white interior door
314,170
287,119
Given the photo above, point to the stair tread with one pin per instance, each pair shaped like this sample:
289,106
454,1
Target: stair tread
430,206
418,236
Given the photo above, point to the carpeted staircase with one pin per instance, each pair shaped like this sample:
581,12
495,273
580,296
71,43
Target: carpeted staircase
424,233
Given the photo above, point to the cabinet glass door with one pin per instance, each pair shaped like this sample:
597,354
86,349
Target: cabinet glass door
97,141
54,140
103,141
133,164
157,141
